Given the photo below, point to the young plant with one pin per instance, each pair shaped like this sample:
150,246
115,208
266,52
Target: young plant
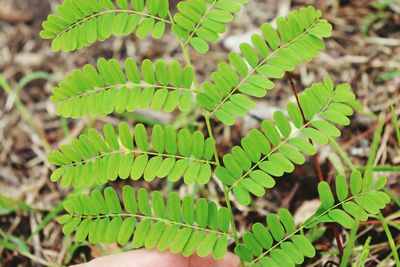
199,226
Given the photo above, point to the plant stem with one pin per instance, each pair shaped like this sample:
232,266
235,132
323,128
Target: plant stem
315,156
395,122
316,162
211,135
224,187
390,239
350,244
382,168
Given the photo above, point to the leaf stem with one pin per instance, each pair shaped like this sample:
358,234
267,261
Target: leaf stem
144,217
80,21
199,23
128,85
224,187
211,135
316,163
125,152
395,123
315,156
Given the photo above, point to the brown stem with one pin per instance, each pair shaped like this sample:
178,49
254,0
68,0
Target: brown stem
377,222
315,156
316,162
338,241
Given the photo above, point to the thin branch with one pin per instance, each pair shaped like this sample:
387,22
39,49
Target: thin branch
315,156
211,135
316,162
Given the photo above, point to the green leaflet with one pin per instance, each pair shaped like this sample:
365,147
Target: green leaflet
341,187
76,25
267,244
353,205
199,22
264,154
269,56
325,194
108,88
126,152
147,227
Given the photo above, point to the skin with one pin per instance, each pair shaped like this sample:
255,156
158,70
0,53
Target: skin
151,258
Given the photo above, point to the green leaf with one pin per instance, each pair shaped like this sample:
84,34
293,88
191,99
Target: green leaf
341,187
181,238
167,237
129,199
223,219
242,195
342,218
381,182
295,114
126,230
303,245
76,26
158,204
144,202
141,233
293,252
262,235
202,212
220,248
252,244
188,210
355,182
199,45
325,195
315,135
282,123
279,255
287,220
154,235
356,211
125,135
270,35
207,244
112,200
275,227
243,252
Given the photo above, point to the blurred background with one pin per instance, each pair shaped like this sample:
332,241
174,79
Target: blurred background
364,51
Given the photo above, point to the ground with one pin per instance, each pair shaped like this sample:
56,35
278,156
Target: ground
364,51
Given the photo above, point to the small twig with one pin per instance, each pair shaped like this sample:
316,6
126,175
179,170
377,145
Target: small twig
316,162
377,222
315,156
337,238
